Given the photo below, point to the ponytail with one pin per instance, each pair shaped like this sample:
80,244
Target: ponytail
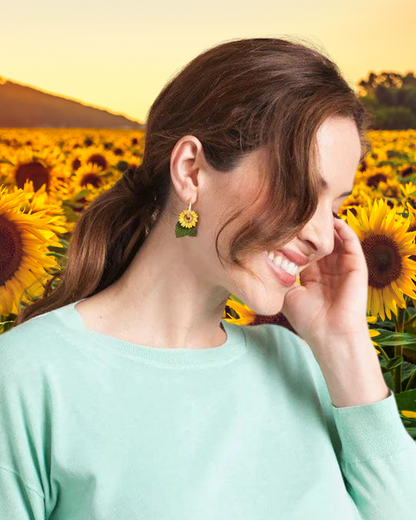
105,239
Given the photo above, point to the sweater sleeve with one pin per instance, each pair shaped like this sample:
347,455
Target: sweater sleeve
376,454
21,488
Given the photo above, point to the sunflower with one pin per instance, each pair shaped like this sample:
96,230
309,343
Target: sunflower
96,155
408,170
246,315
39,166
373,177
89,175
25,238
39,201
373,320
188,219
387,245
408,191
390,190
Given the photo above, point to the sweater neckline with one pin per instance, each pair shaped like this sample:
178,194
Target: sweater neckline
233,347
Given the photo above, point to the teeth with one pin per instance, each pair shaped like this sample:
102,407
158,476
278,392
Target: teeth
283,263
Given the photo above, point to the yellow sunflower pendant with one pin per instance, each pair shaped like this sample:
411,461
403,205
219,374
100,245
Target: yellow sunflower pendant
186,224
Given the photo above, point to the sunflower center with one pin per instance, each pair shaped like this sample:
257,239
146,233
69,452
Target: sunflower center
98,159
91,178
10,250
76,163
374,180
408,171
383,260
33,171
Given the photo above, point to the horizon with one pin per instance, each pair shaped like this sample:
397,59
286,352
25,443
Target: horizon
4,80
123,54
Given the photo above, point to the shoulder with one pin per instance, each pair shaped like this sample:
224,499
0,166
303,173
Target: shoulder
31,346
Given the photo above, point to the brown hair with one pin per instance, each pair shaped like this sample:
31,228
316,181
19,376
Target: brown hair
235,98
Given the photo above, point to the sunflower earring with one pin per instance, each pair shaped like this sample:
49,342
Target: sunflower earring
186,224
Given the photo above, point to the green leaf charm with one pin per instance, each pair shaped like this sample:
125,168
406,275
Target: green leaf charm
181,231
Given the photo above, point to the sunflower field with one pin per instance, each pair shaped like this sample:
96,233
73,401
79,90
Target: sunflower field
48,176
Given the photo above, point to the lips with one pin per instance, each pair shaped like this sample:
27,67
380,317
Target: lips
293,256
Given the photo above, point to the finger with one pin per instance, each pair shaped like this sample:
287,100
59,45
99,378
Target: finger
349,238
338,243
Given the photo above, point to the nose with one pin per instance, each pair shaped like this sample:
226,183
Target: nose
319,234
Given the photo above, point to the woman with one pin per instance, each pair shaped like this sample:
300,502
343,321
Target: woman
124,392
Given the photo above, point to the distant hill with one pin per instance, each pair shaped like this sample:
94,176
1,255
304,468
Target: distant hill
26,107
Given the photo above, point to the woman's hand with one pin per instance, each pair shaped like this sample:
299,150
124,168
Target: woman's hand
331,301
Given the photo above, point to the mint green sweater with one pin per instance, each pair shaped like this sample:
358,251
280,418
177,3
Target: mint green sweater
97,428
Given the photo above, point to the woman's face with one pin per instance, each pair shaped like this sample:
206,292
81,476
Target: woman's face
339,149
217,195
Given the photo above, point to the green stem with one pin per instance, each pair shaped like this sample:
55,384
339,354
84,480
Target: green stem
410,322
410,382
383,352
398,351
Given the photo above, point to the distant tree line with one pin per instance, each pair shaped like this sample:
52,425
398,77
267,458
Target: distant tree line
391,99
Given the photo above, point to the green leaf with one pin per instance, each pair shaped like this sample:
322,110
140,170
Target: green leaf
388,338
5,326
233,297
406,400
54,253
181,231
394,362
81,194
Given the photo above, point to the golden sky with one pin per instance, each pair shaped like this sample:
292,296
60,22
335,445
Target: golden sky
118,55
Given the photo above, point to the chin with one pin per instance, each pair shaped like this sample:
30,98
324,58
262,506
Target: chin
267,305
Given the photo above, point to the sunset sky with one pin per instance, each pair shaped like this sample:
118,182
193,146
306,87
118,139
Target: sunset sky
119,54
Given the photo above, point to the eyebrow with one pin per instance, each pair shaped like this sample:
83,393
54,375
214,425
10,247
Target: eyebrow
325,186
